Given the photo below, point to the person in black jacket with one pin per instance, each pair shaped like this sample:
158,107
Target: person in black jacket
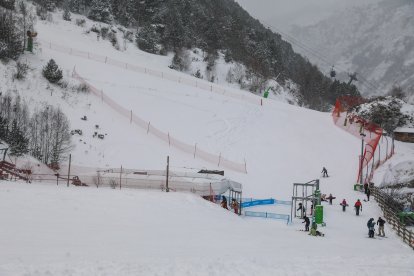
380,223
302,210
325,172
307,223
368,193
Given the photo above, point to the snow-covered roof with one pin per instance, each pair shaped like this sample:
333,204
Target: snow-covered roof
404,129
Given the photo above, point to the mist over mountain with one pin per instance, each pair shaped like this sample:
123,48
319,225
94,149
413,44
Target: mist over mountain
376,41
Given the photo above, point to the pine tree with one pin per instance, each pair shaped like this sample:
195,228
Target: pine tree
8,4
76,6
125,11
17,141
66,13
3,129
147,39
52,72
10,39
101,10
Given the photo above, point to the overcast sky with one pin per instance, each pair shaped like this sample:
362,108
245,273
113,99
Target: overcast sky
285,13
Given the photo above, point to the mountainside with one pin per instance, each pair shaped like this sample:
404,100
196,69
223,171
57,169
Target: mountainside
375,40
219,30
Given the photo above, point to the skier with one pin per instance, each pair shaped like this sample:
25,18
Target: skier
368,192
344,205
371,229
380,223
358,206
365,188
302,210
235,206
307,223
330,197
224,203
325,172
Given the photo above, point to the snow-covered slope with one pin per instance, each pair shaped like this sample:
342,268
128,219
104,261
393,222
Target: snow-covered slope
375,40
56,230
271,139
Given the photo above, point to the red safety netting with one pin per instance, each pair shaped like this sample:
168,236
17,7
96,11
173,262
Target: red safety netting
362,129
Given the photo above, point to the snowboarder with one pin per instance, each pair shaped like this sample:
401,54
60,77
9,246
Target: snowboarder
380,223
325,172
302,210
235,206
344,205
224,203
307,223
330,198
368,192
358,206
371,227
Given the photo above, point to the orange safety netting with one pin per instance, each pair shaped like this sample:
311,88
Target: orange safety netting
194,150
361,128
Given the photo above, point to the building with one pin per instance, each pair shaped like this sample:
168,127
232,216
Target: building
404,134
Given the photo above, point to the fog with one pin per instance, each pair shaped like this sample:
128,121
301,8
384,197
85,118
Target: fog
283,14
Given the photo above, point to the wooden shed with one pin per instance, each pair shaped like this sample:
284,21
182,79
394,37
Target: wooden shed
404,134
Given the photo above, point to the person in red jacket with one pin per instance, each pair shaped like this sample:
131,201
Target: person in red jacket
344,205
358,206
235,206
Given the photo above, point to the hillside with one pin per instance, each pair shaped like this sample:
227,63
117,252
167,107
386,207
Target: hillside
375,40
226,42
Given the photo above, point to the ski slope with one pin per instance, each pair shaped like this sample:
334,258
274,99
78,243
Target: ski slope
55,230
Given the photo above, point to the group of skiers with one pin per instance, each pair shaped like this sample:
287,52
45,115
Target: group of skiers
234,205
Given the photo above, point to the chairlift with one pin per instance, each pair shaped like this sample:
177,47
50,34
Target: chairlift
333,72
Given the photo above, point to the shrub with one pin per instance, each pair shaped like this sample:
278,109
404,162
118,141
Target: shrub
66,15
21,70
52,72
80,22
112,183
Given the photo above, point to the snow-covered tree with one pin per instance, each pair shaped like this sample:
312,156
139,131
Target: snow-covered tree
10,39
66,13
147,39
52,72
8,4
101,10
17,141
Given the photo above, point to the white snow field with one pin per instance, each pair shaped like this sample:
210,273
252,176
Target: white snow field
57,230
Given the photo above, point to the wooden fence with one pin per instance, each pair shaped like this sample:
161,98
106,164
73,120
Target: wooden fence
391,215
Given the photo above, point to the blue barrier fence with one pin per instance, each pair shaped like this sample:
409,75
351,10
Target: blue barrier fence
250,199
256,202
267,215
247,204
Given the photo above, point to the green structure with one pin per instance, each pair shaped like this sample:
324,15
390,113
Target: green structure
319,214
406,217
266,93
30,36
30,44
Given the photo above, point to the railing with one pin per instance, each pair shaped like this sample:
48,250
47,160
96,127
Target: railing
392,218
267,215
